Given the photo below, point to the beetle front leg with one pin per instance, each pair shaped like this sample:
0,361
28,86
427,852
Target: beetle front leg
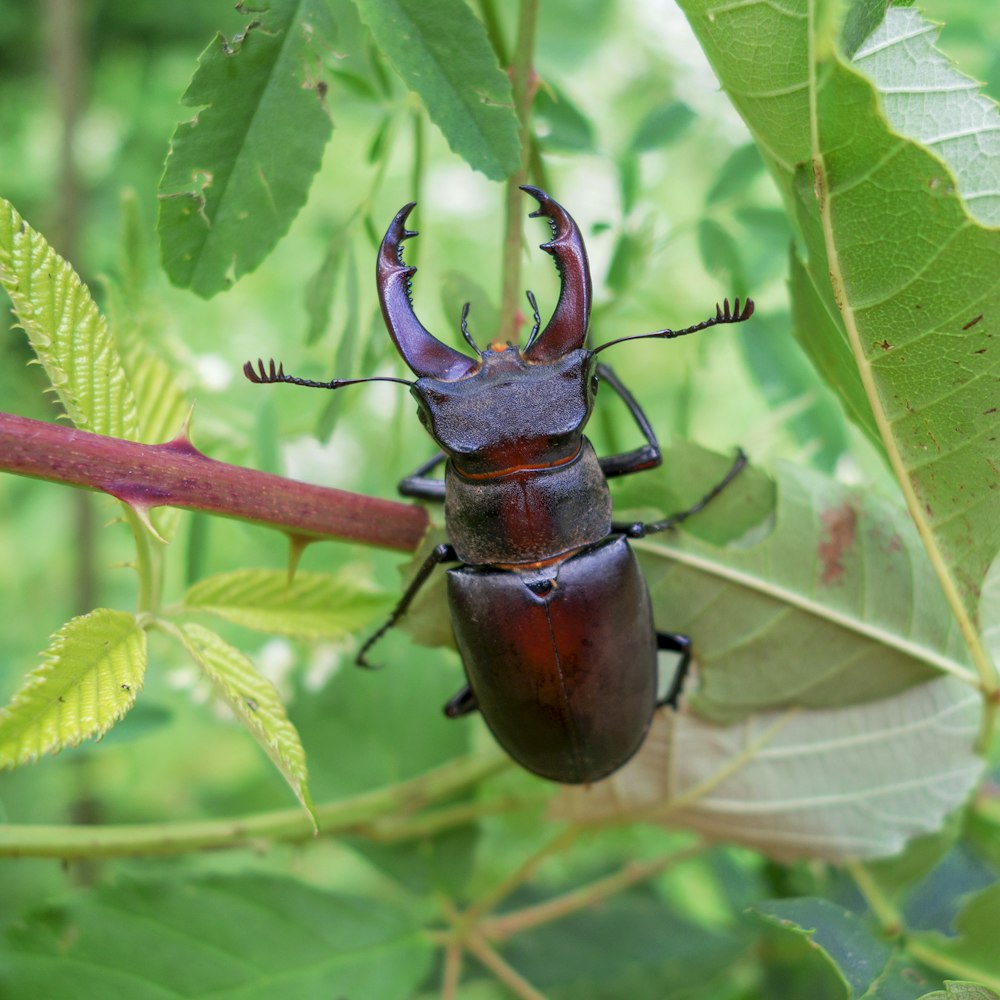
439,554
646,457
421,486
672,642
639,529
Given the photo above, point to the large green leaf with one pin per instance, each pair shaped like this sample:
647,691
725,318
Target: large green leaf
255,702
243,937
442,52
240,170
924,97
973,950
812,731
89,678
835,605
67,333
904,307
868,967
838,784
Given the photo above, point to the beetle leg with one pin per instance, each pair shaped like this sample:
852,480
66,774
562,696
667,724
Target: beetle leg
672,642
646,457
462,703
640,529
439,554
421,486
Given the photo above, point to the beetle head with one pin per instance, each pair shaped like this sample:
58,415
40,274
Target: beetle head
512,412
506,407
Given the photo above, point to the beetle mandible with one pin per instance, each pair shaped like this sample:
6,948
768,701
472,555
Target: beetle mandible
549,609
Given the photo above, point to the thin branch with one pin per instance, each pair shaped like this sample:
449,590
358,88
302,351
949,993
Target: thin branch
523,85
176,474
517,921
290,825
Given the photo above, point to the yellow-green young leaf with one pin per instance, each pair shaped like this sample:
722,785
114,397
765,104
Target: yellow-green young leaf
256,703
88,679
162,404
311,606
67,333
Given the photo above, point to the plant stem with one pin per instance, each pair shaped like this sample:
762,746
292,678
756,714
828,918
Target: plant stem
507,975
886,913
518,921
523,85
293,825
488,12
176,474
487,902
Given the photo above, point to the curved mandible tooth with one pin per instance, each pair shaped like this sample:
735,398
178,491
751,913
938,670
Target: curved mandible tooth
567,329
420,349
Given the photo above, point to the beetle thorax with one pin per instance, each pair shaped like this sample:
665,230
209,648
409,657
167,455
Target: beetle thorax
510,413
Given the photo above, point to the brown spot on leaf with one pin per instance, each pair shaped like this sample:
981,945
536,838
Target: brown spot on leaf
972,322
885,345
841,524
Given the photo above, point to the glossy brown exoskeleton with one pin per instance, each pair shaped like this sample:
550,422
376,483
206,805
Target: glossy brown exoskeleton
550,612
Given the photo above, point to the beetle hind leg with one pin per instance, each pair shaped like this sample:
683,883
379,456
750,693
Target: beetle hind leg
672,642
462,703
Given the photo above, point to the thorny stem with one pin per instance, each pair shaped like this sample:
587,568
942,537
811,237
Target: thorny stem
176,474
523,85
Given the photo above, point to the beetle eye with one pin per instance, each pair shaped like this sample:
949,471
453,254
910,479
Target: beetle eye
422,416
594,383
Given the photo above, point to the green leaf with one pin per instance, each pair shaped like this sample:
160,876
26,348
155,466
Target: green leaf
67,333
925,98
319,288
559,123
441,51
88,679
310,606
720,252
954,990
908,279
835,606
741,169
240,170
162,404
973,952
663,126
244,937
255,702
834,610
833,785
867,966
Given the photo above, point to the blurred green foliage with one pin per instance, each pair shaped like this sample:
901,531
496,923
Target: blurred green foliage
660,173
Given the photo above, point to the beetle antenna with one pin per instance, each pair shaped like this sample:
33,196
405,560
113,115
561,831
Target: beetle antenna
465,329
723,314
538,319
272,373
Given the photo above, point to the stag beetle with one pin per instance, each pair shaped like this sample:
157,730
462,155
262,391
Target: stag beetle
549,609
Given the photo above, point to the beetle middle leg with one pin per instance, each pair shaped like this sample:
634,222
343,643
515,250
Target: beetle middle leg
439,554
673,642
